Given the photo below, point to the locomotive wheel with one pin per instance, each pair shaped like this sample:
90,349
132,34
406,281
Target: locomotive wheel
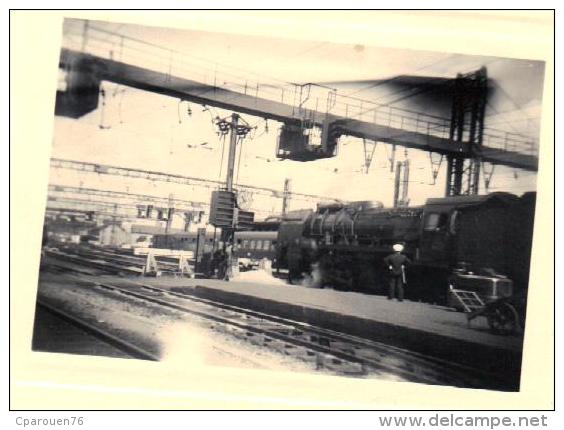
503,319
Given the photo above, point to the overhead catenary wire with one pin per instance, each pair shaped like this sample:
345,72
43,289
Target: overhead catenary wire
240,140
504,121
428,87
120,105
253,136
102,125
396,78
394,101
222,139
184,54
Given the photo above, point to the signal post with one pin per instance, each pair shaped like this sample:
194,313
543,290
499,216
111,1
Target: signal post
224,211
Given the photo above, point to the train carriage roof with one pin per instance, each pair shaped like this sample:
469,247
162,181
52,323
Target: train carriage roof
256,235
297,215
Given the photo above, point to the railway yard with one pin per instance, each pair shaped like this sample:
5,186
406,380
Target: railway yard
97,301
196,215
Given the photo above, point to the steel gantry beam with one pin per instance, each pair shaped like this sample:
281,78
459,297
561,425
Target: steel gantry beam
82,166
89,57
332,113
123,196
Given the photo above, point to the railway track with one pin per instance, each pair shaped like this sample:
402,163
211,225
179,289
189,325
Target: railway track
110,262
139,260
128,348
326,349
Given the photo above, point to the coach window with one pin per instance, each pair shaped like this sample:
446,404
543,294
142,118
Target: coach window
253,244
259,244
245,243
267,245
435,221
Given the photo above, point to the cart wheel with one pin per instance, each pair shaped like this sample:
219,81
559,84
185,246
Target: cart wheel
503,319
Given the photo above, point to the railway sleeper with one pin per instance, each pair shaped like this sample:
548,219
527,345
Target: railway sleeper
333,363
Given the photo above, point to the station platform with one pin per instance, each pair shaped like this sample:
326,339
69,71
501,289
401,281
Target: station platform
428,329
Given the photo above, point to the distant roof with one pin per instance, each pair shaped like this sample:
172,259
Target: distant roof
152,229
98,229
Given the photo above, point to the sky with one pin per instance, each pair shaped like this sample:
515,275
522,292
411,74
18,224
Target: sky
132,128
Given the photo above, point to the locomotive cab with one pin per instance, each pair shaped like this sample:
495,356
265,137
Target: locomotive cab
474,230
435,243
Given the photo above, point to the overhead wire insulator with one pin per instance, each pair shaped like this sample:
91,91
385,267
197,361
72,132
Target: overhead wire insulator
488,174
120,105
223,126
242,130
101,125
368,156
188,110
435,166
178,111
392,157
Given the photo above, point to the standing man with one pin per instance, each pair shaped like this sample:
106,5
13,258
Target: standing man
228,262
397,263
218,263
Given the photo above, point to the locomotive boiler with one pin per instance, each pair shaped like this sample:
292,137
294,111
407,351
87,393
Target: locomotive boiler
343,246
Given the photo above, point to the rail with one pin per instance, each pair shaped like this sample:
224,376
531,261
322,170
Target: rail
125,346
310,102
325,348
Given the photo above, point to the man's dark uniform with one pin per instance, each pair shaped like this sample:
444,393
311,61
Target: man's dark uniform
395,262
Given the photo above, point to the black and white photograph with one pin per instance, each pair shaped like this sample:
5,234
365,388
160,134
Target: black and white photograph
277,204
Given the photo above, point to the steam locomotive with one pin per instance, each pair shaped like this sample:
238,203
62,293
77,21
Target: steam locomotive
463,239
480,243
